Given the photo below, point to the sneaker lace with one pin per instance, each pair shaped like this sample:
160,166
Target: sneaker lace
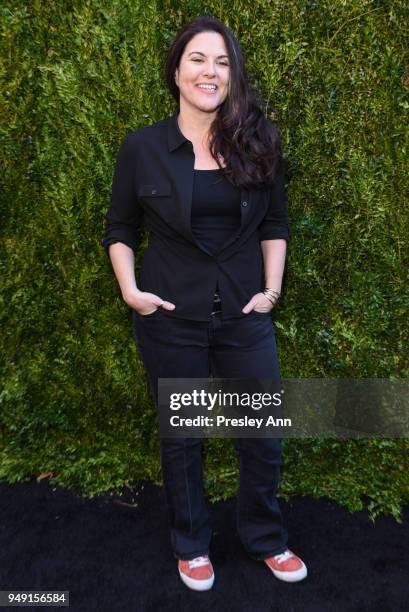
198,561
284,556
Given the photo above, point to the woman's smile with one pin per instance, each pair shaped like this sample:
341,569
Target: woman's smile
207,88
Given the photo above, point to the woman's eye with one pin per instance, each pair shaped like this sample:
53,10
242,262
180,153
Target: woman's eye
200,60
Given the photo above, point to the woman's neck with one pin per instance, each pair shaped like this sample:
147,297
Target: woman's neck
195,125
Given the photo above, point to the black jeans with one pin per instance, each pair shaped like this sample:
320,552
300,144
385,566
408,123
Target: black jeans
233,348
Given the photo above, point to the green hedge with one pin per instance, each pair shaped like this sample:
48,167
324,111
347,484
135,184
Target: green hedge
76,77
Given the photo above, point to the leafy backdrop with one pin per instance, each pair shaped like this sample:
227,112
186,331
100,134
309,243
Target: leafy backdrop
76,77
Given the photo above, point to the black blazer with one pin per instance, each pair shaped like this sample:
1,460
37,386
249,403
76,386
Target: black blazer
152,186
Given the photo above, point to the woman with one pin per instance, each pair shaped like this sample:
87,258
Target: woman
208,183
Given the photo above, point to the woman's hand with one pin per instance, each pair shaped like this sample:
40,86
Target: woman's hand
258,303
146,303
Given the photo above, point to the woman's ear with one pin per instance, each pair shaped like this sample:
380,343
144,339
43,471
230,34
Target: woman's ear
177,76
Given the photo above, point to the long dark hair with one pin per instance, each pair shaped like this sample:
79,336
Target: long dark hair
249,142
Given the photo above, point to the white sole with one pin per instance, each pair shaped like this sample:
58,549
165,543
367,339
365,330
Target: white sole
291,576
197,585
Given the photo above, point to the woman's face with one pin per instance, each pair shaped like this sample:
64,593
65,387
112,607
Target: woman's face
204,72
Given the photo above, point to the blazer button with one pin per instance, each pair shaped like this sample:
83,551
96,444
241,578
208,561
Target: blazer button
244,203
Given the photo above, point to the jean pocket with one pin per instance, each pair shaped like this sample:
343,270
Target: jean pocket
149,315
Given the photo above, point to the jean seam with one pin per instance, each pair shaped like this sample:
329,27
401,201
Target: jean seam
241,513
187,488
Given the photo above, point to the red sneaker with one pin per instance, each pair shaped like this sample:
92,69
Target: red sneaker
197,573
287,566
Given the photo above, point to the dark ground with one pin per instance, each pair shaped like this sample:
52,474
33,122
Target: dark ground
114,557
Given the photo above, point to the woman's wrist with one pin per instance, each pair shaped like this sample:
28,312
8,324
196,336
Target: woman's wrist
273,282
129,294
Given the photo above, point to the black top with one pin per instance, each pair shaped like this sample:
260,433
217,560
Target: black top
215,212
153,187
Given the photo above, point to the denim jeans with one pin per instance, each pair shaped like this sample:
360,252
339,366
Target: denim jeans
232,348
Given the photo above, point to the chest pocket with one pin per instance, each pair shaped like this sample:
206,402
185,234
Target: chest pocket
154,190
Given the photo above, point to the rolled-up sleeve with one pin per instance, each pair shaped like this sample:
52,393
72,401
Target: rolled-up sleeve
123,220
275,223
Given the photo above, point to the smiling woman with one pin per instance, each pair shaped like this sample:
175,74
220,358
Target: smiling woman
208,183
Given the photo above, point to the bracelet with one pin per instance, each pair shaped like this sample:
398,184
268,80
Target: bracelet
271,293
268,290
270,300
